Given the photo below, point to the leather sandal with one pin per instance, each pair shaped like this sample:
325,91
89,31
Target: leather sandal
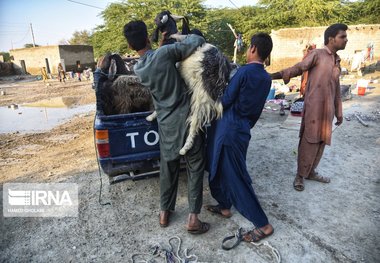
203,227
255,235
298,183
318,178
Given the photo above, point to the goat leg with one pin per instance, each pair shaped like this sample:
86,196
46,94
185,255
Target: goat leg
152,116
189,143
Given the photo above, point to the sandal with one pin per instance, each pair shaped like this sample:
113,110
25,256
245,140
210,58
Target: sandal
217,210
203,227
298,183
255,235
318,178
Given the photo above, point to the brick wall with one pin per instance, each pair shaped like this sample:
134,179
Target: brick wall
289,43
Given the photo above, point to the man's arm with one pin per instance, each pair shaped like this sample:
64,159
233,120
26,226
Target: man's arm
338,105
181,50
306,64
232,90
178,37
276,75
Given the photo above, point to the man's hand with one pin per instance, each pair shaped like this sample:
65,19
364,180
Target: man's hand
276,75
163,38
339,120
178,37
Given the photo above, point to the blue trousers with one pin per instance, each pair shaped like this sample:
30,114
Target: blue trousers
232,185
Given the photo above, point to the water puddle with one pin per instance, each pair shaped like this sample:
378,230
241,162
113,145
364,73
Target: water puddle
25,119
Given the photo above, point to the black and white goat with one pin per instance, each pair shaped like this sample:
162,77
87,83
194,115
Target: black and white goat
206,73
117,90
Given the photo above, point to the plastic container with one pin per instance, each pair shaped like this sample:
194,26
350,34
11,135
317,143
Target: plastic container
362,86
271,94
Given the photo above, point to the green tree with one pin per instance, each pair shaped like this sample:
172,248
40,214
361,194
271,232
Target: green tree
29,45
6,56
365,12
244,20
81,38
217,32
291,13
266,16
109,37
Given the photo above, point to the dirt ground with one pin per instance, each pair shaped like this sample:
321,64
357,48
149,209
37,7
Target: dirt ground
336,222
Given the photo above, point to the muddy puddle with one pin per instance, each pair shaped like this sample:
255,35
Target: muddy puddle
38,117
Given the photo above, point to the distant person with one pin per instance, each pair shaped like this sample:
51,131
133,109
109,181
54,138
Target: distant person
322,102
44,74
370,52
358,60
87,73
61,73
79,71
228,140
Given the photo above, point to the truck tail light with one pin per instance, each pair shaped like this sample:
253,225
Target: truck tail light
102,143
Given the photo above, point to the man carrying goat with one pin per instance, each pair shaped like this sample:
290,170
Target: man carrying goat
157,70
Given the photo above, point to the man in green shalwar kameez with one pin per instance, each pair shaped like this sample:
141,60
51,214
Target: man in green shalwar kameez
157,70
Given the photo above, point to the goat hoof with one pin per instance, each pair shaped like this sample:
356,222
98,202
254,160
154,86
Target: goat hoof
182,152
149,118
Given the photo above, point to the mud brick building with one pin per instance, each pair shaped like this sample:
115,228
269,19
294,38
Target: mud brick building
31,60
289,43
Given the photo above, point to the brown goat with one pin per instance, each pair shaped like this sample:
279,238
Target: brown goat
120,92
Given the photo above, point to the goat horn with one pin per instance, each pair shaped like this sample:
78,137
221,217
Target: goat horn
176,18
112,70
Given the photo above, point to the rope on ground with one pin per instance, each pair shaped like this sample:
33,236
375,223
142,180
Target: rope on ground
274,251
239,237
169,255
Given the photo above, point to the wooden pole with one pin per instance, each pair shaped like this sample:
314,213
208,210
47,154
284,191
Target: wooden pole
31,29
235,44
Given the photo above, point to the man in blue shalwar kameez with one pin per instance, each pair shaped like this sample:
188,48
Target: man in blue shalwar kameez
228,140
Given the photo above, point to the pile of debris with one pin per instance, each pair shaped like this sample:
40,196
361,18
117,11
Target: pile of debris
6,69
374,116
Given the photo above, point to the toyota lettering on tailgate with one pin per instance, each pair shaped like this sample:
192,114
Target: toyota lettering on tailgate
151,138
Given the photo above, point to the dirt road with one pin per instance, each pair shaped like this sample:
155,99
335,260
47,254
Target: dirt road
337,222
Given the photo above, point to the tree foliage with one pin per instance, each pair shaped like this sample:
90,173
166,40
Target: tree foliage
267,15
109,37
6,56
365,12
29,45
81,38
291,13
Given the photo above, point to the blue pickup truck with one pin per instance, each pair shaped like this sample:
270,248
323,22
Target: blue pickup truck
127,144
